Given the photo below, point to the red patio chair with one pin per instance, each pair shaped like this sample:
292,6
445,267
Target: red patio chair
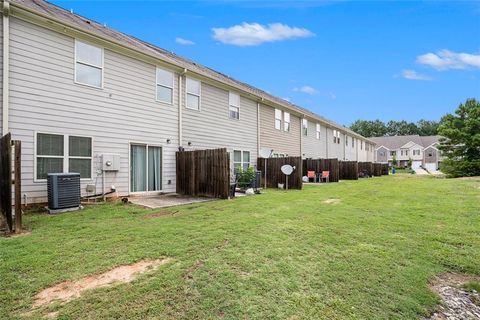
311,175
326,176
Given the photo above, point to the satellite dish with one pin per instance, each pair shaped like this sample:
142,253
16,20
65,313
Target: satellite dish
265,153
287,169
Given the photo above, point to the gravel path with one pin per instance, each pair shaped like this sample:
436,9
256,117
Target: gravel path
457,304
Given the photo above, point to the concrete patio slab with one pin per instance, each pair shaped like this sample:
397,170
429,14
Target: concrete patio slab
166,200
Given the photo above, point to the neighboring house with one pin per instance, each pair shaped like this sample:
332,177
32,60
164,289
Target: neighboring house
421,150
77,92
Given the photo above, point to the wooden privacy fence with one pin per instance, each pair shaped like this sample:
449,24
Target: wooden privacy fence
6,216
365,168
275,174
377,169
348,170
203,173
384,169
319,165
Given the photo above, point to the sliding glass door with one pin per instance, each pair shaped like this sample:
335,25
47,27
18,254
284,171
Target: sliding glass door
145,168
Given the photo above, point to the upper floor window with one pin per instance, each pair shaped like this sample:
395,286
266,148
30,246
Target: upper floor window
286,121
346,140
88,64
278,119
366,146
353,142
416,152
317,131
164,86
361,145
234,105
393,153
334,136
338,137
305,126
193,94
53,155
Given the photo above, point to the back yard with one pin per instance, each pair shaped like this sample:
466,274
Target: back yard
368,252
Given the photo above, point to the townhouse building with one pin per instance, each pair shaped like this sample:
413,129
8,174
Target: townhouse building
421,150
76,92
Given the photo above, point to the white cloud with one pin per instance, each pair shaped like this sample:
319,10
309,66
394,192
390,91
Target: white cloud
252,34
184,42
446,59
414,75
306,89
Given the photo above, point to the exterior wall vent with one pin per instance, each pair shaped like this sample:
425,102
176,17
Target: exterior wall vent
63,191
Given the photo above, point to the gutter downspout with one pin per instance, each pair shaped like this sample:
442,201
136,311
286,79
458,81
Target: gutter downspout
180,108
301,135
6,66
258,129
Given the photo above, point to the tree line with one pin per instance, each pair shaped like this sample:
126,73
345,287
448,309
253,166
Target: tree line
378,128
459,136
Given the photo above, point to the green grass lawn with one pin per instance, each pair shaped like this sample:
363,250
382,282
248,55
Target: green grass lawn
279,255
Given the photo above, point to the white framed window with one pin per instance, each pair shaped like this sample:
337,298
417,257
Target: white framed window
286,121
279,155
317,131
338,137
164,86
241,159
278,119
57,153
353,142
334,136
193,94
305,127
88,64
361,145
233,105
346,140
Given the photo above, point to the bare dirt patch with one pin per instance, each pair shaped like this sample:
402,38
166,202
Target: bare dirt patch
331,201
159,214
457,303
69,290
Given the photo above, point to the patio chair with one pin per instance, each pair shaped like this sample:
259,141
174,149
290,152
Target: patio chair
325,176
311,175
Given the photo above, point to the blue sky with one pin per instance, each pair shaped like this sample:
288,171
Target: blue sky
344,60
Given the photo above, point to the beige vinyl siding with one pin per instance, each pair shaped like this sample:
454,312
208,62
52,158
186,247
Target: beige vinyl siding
211,127
45,98
384,157
350,152
311,146
335,150
279,140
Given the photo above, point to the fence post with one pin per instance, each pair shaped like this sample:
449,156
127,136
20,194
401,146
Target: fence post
6,179
18,185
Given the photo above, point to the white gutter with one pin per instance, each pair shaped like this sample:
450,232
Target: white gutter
180,108
258,129
301,135
6,66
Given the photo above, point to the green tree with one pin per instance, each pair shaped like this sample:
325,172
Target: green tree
394,161
460,142
409,163
401,128
369,128
427,127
